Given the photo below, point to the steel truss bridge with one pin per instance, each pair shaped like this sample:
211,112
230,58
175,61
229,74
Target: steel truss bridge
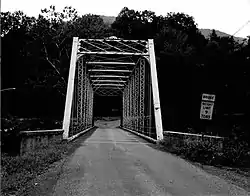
113,67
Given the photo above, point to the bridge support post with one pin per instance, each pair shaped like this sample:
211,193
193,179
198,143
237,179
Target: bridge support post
70,89
155,90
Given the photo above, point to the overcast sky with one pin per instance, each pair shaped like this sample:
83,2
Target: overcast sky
224,15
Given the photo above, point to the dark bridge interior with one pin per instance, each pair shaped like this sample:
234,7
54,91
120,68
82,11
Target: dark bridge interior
107,106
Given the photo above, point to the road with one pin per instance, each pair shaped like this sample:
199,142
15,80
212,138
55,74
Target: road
115,162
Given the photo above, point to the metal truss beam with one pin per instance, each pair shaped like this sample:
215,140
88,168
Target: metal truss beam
119,81
110,84
118,40
109,63
108,76
109,87
115,53
109,70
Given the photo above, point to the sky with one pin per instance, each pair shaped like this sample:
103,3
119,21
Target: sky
224,15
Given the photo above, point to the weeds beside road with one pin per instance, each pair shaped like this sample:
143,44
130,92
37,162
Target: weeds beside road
231,163
18,171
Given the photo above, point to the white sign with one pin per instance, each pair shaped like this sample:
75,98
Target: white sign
206,111
208,97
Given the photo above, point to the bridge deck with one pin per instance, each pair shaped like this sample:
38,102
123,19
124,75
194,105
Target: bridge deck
115,162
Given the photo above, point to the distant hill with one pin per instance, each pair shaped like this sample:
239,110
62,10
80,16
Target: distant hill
206,32
108,19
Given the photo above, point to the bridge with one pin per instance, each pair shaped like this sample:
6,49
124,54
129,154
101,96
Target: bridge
111,161
113,67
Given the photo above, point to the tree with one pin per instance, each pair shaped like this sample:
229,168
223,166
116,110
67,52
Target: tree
13,21
131,24
15,33
52,39
213,36
36,51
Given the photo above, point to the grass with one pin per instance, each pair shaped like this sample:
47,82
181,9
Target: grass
18,171
232,162
235,153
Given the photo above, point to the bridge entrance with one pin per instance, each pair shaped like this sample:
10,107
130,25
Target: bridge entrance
107,106
113,68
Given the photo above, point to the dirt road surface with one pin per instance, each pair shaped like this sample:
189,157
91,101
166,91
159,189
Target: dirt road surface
113,162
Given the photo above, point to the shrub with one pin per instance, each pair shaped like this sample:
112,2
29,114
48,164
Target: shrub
199,150
237,153
18,170
234,153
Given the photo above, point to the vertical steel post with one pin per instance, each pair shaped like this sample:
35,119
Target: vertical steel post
155,89
70,89
133,101
123,108
130,104
141,95
85,97
149,118
126,107
80,91
137,97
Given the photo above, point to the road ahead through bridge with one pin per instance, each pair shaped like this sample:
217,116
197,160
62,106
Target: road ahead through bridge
115,162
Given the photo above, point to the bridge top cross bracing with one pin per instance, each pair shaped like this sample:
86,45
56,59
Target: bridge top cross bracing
110,62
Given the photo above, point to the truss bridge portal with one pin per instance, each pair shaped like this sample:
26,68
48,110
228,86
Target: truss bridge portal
113,67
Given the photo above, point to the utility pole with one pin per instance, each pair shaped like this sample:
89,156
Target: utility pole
241,27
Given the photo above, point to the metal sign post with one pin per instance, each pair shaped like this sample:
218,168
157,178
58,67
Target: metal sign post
206,111
207,105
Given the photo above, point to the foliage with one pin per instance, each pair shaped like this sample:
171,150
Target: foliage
187,63
16,171
11,127
35,60
234,153
41,49
46,41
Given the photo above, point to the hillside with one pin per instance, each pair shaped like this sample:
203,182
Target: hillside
206,32
108,19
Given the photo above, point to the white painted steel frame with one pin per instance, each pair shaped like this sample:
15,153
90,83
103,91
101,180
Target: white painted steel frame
155,90
133,99
108,76
137,89
118,81
133,93
109,63
141,94
70,89
109,70
80,87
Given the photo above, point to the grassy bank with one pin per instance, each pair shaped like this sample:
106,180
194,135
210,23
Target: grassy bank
231,163
235,153
18,171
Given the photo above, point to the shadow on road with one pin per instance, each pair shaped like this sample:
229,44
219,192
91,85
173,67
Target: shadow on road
104,124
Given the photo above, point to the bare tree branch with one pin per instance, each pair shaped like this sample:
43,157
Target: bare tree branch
47,59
